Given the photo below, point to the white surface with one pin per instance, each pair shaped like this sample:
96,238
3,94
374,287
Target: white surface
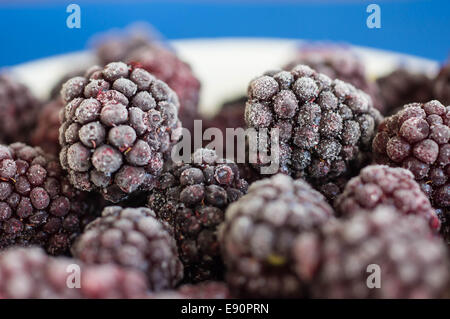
224,66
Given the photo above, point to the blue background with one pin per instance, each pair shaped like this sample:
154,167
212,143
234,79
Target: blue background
31,30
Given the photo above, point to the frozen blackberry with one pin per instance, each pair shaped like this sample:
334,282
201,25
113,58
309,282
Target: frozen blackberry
417,138
38,206
46,133
18,111
346,258
258,233
441,88
338,62
28,273
325,126
167,66
402,87
192,198
382,185
119,125
132,238
203,290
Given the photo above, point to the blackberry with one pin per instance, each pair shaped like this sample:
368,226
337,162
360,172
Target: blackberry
132,238
382,185
29,273
326,126
167,66
192,198
441,88
18,110
401,87
258,232
398,252
38,206
119,125
203,290
46,132
338,62
417,138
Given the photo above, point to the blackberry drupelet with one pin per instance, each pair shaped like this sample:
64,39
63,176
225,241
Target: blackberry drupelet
18,111
46,133
402,87
326,126
338,62
441,87
29,273
382,185
132,238
258,233
56,89
119,125
38,206
192,198
167,66
399,252
417,138
203,290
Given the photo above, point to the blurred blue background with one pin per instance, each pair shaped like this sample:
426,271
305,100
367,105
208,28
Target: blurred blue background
35,29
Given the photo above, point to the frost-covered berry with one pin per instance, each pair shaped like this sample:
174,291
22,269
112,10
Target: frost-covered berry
325,126
117,133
